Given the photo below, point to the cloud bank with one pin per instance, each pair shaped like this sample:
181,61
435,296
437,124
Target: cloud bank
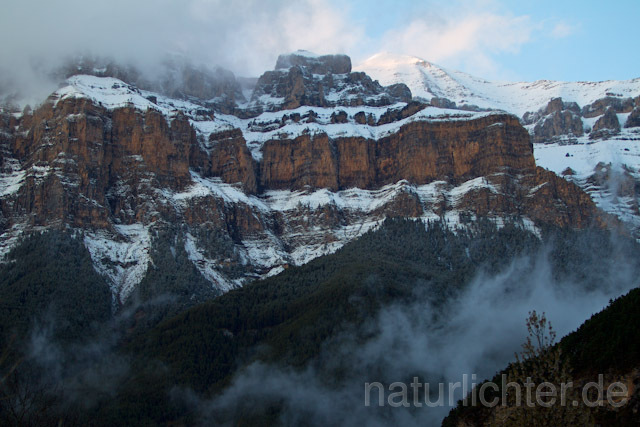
245,36
476,333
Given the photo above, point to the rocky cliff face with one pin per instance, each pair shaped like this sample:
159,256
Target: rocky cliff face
606,125
226,155
314,64
322,81
84,163
634,119
577,128
249,196
420,152
600,106
556,121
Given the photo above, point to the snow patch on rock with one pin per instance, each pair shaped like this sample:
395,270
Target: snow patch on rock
123,256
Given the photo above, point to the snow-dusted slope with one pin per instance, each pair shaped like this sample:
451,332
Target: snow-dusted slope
607,168
112,93
122,252
427,80
319,221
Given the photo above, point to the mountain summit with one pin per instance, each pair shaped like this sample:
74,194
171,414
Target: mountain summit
586,132
186,239
318,156
427,80
315,64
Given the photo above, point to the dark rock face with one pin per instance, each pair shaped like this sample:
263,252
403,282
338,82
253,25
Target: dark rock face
599,107
339,116
394,115
442,103
299,163
634,119
558,105
361,118
217,88
399,91
576,208
563,120
557,119
558,124
327,64
606,125
325,81
229,158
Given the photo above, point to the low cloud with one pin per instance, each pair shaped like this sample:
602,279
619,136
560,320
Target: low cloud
476,333
562,30
467,39
243,36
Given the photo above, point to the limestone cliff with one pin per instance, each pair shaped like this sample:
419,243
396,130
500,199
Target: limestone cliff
420,152
251,195
302,78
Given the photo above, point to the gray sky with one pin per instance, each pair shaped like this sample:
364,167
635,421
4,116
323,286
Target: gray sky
495,39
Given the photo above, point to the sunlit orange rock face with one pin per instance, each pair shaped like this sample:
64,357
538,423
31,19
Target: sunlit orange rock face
91,167
88,163
421,152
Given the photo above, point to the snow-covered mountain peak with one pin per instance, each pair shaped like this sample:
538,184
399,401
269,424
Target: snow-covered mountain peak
389,61
427,80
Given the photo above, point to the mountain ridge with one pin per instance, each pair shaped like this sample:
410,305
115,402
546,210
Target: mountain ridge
583,131
464,88
279,188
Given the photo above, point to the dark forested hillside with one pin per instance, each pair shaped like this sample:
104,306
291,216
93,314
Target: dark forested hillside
609,341
318,321
609,344
49,279
298,317
295,312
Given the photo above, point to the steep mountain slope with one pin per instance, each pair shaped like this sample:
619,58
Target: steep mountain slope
246,195
607,344
425,212
584,131
427,80
399,302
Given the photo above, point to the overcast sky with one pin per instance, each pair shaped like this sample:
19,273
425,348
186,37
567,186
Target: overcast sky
494,39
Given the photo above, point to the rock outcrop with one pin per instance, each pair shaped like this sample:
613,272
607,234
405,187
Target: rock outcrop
86,163
556,120
420,152
226,155
599,107
608,124
322,81
326,64
634,119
